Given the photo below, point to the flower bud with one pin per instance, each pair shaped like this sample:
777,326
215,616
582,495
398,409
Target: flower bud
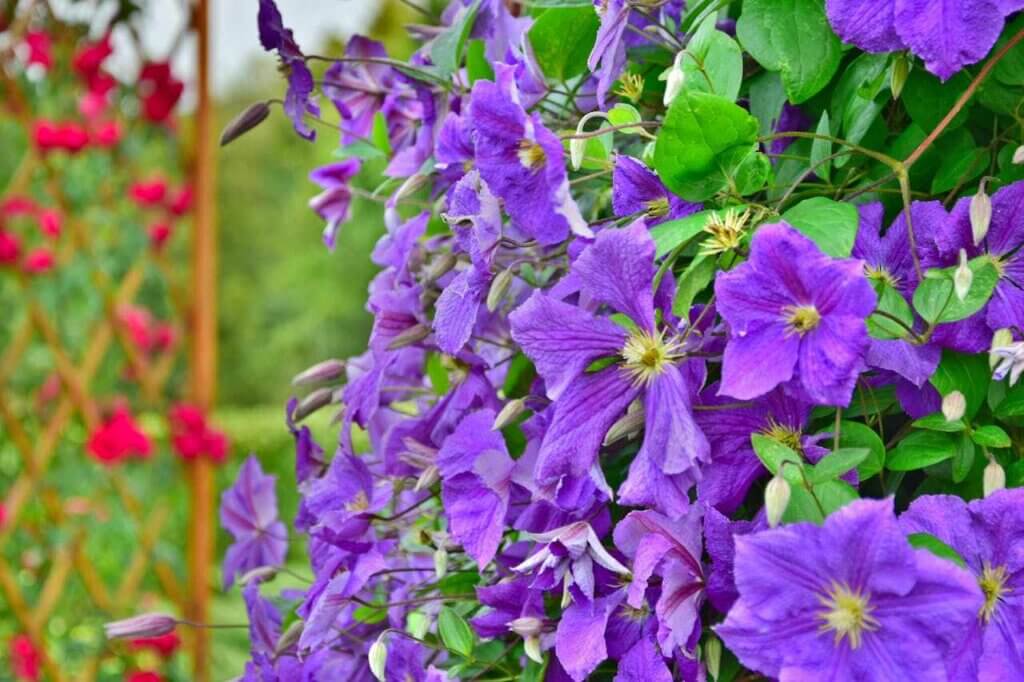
440,562
577,150
980,214
417,624
713,656
427,478
439,267
674,78
259,574
531,646
378,657
313,402
626,427
953,406
289,637
410,336
899,73
1018,155
526,626
1001,338
963,277
512,411
776,499
993,479
251,117
328,370
145,625
498,289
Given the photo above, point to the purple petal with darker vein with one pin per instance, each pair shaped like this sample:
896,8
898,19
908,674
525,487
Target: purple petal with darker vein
579,640
264,620
248,510
643,663
456,309
618,270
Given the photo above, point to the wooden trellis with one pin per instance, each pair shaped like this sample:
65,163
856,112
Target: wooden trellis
42,439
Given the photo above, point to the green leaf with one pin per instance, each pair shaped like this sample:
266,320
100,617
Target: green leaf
712,62
837,463
921,449
622,114
857,99
821,149
455,632
927,99
446,50
379,134
858,435
703,138
370,614
832,225
990,437
478,68
697,275
961,161
831,495
936,547
890,301
935,301
359,149
938,422
794,38
773,453
968,374
562,39
766,99
963,458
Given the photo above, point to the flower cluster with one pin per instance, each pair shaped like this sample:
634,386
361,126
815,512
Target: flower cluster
656,371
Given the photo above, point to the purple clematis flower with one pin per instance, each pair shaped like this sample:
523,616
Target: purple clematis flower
791,119
671,550
608,56
1002,244
719,537
331,606
563,340
358,89
987,534
335,202
580,644
850,600
794,314
637,189
298,100
475,484
946,35
264,620
309,460
643,663
511,602
248,510
522,161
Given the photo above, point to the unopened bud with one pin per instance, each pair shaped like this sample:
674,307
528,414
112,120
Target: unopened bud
577,150
251,117
776,499
566,594
498,289
980,214
531,646
417,624
145,625
1018,155
427,478
378,657
1000,339
526,626
898,76
413,334
954,404
993,479
713,656
439,267
512,411
963,277
322,372
440,562
260,574
626,427
674,79
319,398
289,637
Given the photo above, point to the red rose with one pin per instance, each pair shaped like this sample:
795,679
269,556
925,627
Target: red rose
10,248
24,658
39,261
149,193
117,438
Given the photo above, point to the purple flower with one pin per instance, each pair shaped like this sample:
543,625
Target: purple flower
248,510
511,602
327,609
298,100
358,89
309,459
947,35
522,161
719,536
848,600
617,270
671,550
475,484
790,119
643,663
987,534
334,203
608,56
794,314
636,189
580,644
264,620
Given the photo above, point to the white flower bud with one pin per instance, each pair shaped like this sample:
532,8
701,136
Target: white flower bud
577,149
512,410
526,626
428,477
980,213
378,657
1000,339
289,637
498,288
674,78
713,656
531,645
440,562
899,73
963,277
776,499
1018,155
993,479
954,404
145,625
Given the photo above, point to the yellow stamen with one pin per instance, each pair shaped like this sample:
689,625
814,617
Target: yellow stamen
726,232
880,274
647,355
801,318
847,613
783,434
631,86
993,586
656,208
531,155
358,503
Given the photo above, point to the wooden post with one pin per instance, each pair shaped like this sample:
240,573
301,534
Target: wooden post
203,360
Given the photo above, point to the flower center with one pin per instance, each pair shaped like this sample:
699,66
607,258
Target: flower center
358,503
657,208
531,155
631,86
847,613
725,231
801,318
780,433
880,274
993,586
647,355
